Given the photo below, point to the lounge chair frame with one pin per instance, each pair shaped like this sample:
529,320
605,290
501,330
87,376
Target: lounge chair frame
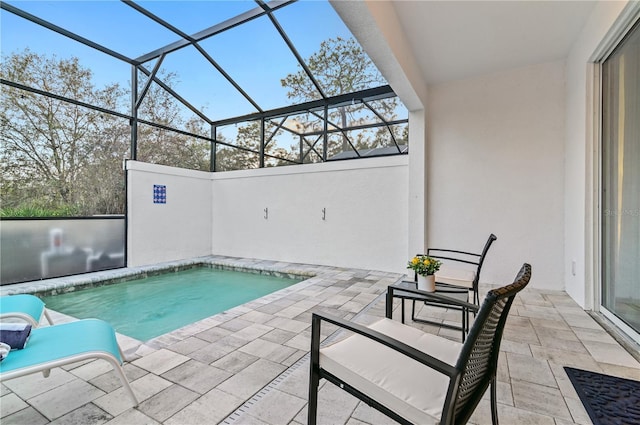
101,351
26,307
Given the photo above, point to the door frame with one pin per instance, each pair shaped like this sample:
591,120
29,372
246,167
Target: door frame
623,25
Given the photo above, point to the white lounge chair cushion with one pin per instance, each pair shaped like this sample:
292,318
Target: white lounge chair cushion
457,277
412,389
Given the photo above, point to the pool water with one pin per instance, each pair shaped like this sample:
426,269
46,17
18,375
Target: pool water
149,307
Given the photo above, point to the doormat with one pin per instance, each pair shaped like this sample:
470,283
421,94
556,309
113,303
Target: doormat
609,400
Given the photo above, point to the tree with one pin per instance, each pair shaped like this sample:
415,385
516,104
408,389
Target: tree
160,146
246,155
341,66
48,144
60,156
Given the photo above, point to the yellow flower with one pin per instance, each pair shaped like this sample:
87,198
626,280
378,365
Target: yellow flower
415,261
427,262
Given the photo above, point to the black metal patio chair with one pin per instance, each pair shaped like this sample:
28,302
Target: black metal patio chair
411,376
452,277
459,275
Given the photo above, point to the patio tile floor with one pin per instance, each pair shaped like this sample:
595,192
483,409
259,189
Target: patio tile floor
249,365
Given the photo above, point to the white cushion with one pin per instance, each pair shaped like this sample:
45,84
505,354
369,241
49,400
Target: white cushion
457,277
407,387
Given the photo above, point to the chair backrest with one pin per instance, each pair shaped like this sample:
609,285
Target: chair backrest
478,360
487,245
464,257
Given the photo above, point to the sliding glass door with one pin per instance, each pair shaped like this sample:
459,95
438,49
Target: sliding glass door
621,181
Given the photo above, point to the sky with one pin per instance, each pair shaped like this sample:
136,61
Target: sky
253,54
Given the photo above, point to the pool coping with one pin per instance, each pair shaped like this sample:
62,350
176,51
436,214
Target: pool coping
310,274
55,286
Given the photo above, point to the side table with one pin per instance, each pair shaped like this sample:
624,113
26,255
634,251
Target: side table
407,290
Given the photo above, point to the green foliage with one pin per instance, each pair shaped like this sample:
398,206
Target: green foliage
341,66
424,265
52,149
38,211
61,159
58,158
160,146
246,154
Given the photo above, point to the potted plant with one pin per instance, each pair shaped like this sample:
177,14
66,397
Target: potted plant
425,268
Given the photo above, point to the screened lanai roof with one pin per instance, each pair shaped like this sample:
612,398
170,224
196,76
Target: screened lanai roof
226,60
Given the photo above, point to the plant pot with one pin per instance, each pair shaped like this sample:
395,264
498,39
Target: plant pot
427,283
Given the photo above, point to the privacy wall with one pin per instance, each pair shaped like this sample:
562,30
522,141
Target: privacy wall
346,213
169,213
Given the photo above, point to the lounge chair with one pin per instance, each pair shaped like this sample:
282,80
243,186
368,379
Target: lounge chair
60,345
24,307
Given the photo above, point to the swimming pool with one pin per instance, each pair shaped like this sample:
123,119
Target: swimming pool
146,308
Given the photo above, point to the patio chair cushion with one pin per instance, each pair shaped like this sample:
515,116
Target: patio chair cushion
415,391
457,277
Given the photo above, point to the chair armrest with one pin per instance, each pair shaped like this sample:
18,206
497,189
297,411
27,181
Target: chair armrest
381,338
435,296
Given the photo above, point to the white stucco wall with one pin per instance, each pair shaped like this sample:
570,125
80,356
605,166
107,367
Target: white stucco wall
495,165
366,213
177,230
582,154
376,26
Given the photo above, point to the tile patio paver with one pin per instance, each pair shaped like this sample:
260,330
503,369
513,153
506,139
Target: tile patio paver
54,404
132,417
250,380
524,368
249,365
196,376
235,361
167,402
26,416
32,385
212,407
547,401
149,385
610,353
89,413
161,361
11,403
288,407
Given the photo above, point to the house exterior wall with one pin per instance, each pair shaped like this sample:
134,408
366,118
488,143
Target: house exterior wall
365,203
176,230
417,185
581,146
377,28
495,164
